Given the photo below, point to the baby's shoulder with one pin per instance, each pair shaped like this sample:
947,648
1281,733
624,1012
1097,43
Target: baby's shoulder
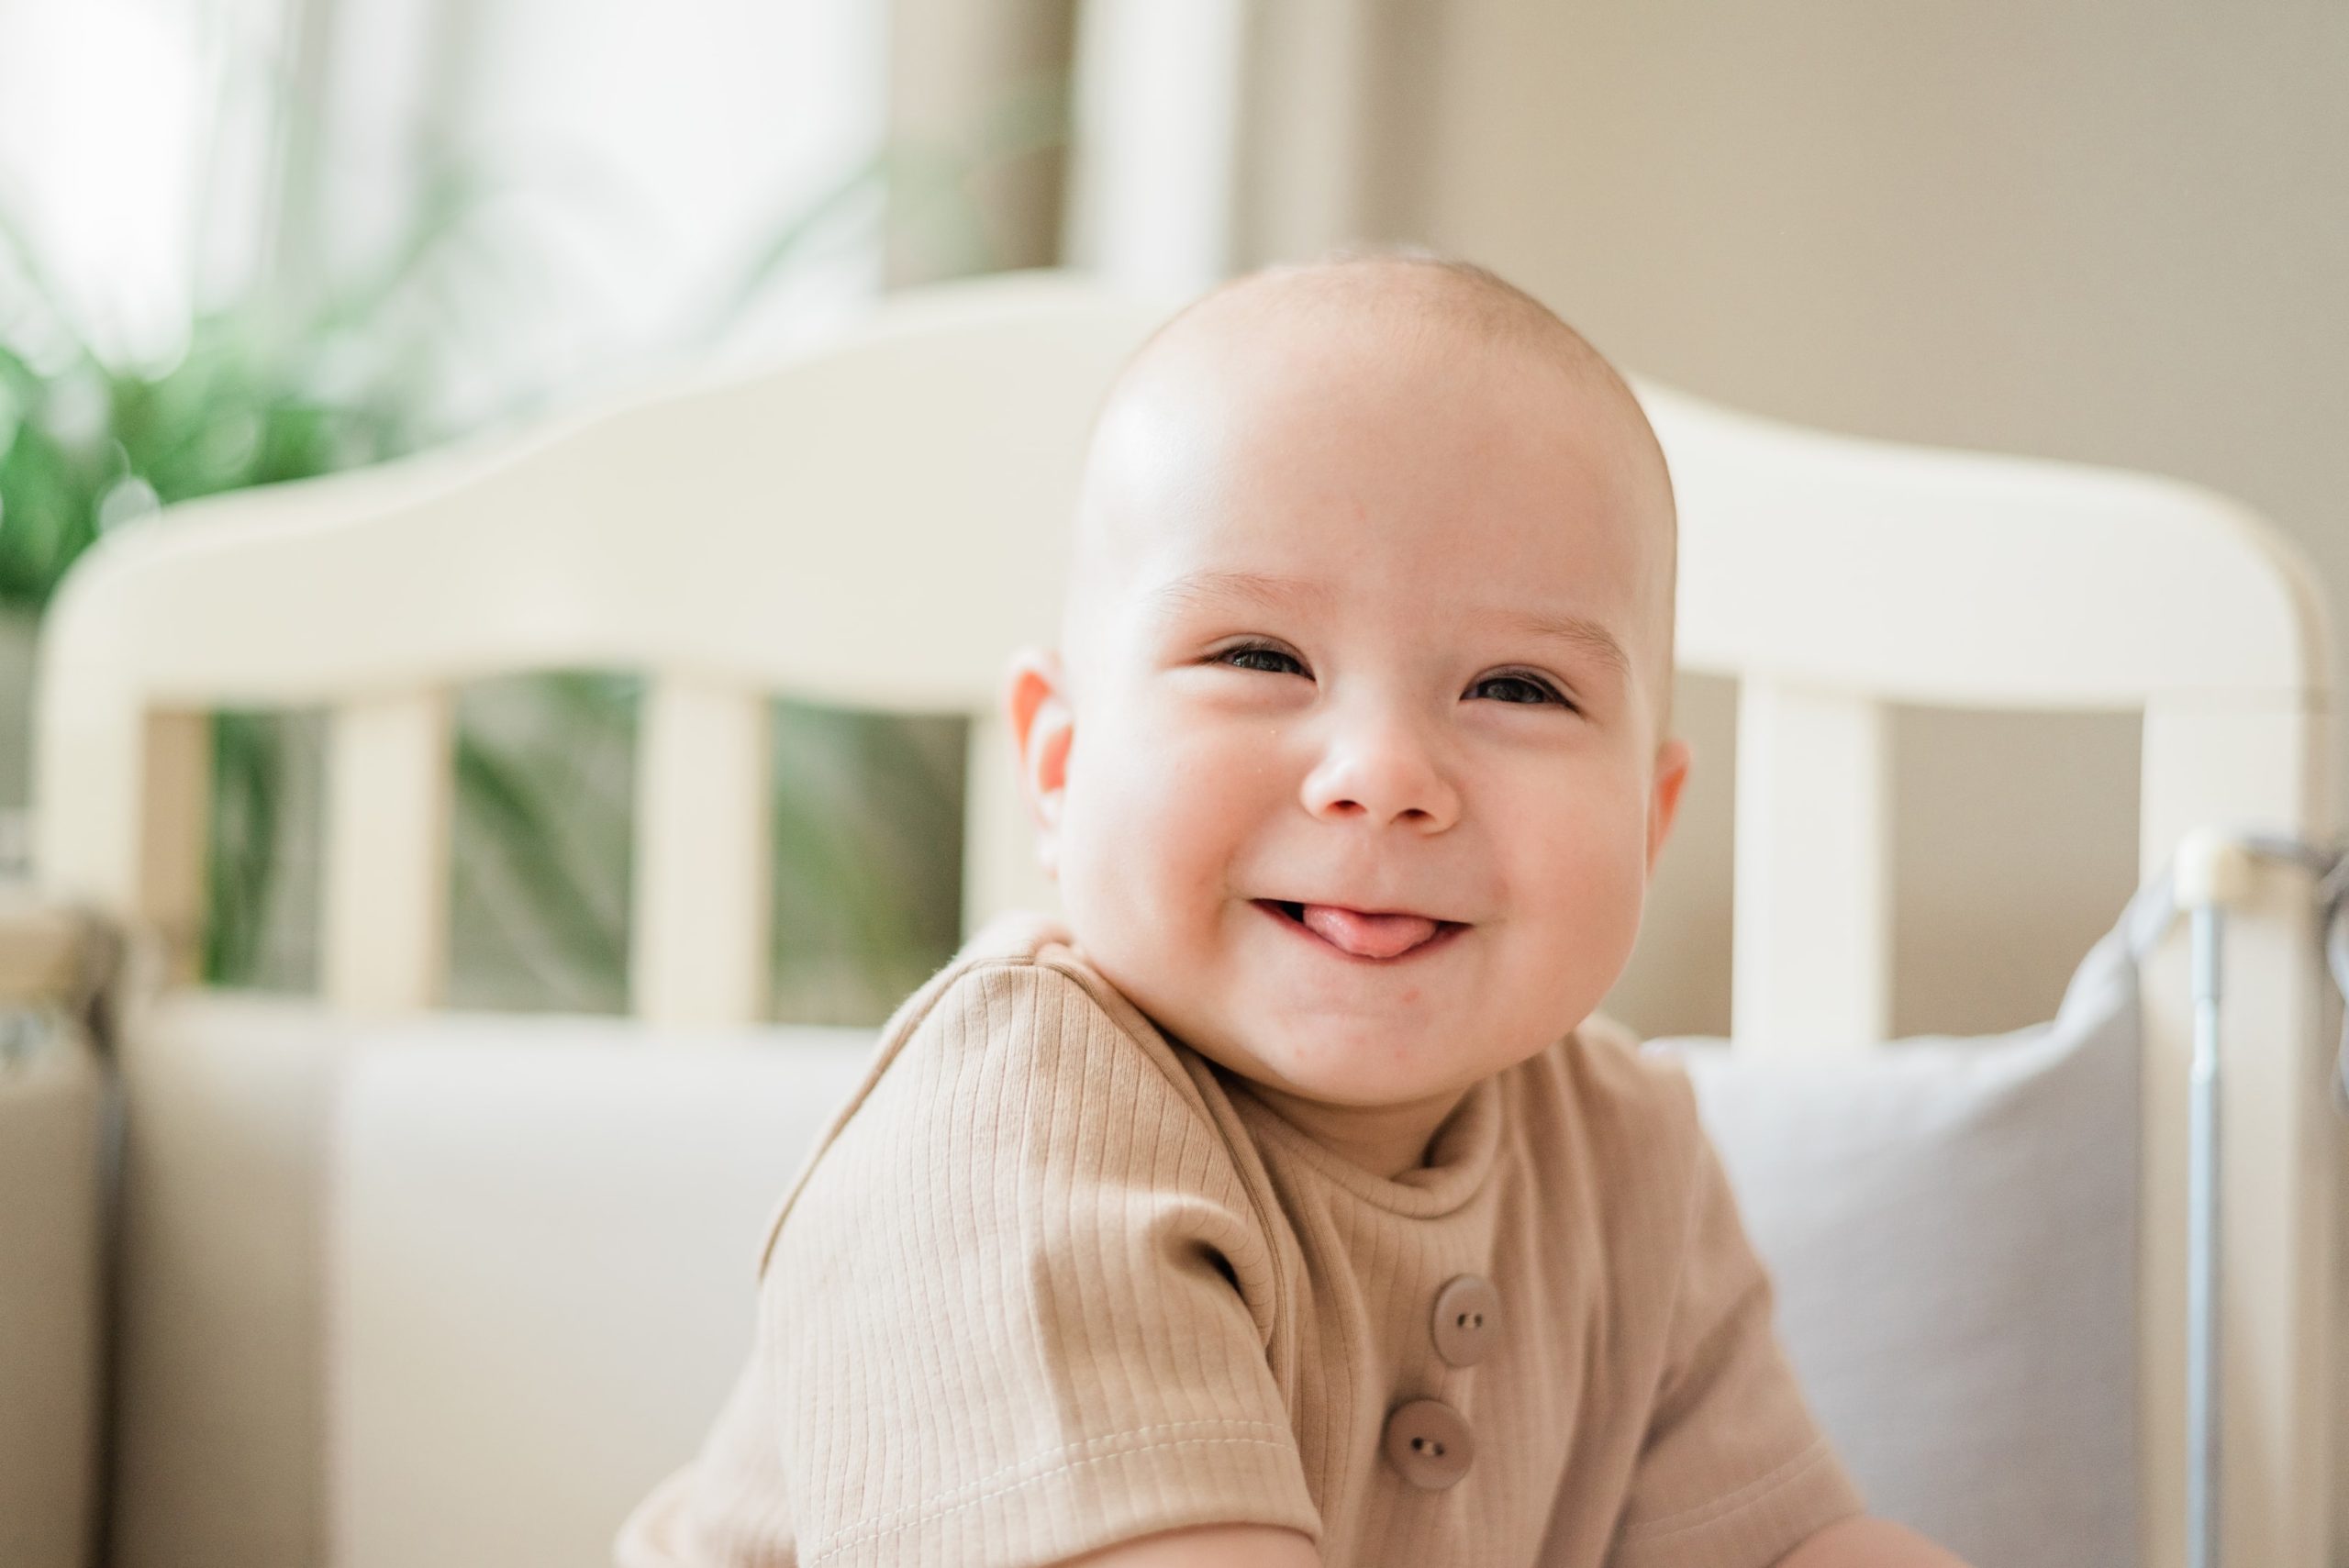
1018,1055
1021,1003
1624,1107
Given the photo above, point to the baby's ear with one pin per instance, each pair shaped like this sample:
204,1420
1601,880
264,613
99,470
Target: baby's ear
1672,760
1036,706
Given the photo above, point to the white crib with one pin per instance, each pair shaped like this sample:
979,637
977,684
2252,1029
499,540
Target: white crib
876,525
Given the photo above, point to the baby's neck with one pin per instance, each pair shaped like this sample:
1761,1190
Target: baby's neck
1386,1141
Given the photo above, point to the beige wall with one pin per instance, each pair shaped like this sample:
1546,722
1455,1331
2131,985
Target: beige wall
2097,231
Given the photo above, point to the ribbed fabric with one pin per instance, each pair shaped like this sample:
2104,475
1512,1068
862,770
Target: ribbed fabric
1051,1281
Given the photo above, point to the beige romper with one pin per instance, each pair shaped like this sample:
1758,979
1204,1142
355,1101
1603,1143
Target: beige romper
1051,1280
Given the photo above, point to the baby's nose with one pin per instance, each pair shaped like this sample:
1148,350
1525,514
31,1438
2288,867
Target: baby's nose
1382,773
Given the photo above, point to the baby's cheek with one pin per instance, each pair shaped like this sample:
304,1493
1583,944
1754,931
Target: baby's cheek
1588,894
1143,845
1199,802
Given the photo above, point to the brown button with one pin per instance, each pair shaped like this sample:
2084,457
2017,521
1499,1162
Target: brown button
1429,1442
1467,1320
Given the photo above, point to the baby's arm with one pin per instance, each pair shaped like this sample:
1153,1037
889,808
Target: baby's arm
1006,1300
1864,1543
1231,1546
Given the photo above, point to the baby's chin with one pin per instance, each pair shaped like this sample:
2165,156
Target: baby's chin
1266,1002
1350,1062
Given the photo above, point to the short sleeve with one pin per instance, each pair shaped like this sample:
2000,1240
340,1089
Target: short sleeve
1734,1469
1008,1315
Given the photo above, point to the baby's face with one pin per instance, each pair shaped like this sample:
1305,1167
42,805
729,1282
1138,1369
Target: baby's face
1355,799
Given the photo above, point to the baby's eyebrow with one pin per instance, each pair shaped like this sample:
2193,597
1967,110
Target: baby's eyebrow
1588,637
1208,585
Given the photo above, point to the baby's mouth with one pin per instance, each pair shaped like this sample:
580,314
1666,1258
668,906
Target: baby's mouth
1362,933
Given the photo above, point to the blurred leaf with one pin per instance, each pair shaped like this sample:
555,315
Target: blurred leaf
867,807
248,755
868,834
540,899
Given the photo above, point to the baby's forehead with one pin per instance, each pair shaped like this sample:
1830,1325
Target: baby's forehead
1383,519
1266,396
1259,405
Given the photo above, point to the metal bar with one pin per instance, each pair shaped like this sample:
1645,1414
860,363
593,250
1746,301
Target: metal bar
2202,1407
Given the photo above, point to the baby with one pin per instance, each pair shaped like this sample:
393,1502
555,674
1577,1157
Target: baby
1289,1204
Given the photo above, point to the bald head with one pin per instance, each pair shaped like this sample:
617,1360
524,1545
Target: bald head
1305,335
1414,299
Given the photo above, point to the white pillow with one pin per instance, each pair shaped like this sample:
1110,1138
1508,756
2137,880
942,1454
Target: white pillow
1950,1224
543,1262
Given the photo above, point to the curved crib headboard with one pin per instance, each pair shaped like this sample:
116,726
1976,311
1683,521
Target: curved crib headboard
1832,577
878,522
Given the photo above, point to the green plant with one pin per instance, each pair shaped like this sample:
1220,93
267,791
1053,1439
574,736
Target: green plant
868,807
256,393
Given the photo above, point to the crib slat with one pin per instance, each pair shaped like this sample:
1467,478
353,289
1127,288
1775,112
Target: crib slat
2281,1151
1000,866
703,883
390,784
175,809
1810,960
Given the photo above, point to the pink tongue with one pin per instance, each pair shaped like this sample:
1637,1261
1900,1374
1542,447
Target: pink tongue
1367,936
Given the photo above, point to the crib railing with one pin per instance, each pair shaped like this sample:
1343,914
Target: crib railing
1833,577
876,527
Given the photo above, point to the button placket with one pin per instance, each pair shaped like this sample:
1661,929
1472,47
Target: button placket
1430,1443
1467,1320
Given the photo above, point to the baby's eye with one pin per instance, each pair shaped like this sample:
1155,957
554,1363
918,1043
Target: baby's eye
1523,689
1257,656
